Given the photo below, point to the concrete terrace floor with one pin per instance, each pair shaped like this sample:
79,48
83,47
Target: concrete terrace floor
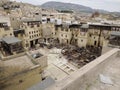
58,67
22,61
112,70
16,65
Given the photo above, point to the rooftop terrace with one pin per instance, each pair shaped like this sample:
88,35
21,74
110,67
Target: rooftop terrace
88,77
20,63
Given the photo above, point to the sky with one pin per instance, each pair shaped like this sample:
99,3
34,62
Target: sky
109,5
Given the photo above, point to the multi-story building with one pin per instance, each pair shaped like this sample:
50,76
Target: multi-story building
5,26
84,34
72,34
99,34
15,22
33,32
47,32
5,30
56,26
9,44
114,39
62,33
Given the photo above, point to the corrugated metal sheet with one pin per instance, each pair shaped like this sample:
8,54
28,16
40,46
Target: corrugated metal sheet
11,40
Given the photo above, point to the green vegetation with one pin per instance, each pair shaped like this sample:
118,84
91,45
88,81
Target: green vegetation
65,11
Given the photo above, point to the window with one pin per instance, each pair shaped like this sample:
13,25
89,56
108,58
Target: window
56,28
81,40
20,81
95,42
38,25
66,30
10,34
75,40
32,26
90,35
67,41
22,26
66,35
62,35
117,29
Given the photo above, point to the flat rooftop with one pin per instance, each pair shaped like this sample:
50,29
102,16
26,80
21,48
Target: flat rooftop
115,33
89,76
58,67
22,61
112,70
17,64
11,40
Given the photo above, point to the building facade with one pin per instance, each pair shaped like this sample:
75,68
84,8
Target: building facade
5,30
33,32
83,35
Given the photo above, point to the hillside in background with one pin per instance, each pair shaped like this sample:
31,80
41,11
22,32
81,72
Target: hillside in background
70,6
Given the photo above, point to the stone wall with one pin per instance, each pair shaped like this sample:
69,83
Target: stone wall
42,61
12,56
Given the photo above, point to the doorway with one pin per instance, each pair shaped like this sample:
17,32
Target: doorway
31,43
95,43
